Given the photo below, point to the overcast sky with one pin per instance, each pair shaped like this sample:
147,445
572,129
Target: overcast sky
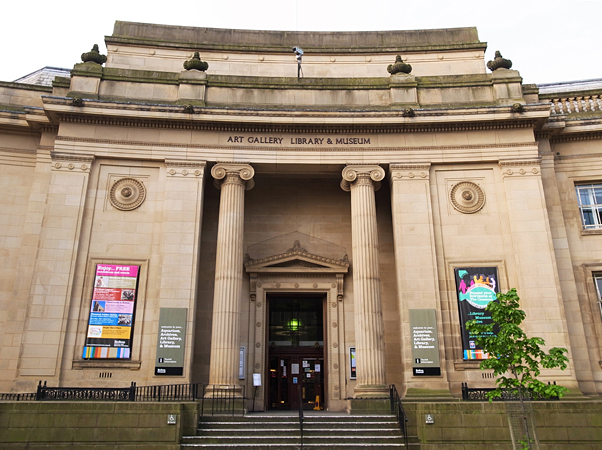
547,41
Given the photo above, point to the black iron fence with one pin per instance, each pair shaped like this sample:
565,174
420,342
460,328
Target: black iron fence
397,408
480,395
18,397
215,399
223,400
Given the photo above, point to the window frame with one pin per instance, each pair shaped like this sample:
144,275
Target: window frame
595,208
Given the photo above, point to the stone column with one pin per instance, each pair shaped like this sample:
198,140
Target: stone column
362,180
233,179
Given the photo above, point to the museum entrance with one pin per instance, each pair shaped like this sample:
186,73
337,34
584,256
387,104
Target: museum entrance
296,369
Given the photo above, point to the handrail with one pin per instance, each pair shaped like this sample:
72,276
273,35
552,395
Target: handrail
400,413
301,418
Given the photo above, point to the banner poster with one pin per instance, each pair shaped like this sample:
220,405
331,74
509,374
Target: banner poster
352,364
112,310
475,287
171,341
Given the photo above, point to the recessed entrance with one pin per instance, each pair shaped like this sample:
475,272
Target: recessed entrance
296,369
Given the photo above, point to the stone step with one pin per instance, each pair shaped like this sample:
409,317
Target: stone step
273,440
293,425
210,432
295,418
279,431
297,446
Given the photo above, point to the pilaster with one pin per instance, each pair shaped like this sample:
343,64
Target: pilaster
415,261
361,181
52,282
534,257
180,242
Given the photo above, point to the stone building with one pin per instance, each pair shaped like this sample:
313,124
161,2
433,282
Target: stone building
276,219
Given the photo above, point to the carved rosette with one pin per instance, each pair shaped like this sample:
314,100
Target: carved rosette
467,197
362,174
127,194
233,173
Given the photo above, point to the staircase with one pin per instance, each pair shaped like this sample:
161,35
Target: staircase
277,431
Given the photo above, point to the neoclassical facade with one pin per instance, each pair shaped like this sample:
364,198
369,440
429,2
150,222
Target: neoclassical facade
176,218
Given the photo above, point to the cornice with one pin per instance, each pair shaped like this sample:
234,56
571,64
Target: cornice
320,129
573,137
113,113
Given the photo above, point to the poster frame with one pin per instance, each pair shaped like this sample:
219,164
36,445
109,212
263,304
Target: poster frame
89,299
498,267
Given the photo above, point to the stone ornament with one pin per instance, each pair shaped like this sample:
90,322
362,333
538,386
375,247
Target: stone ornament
467,197
351,174
196,64
399,66
244,171
94,56
127,194
499,62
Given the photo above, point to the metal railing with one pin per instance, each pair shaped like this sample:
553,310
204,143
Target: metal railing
480,395
301,418
215,399
223,399
400,413
168,392
12,397
90,394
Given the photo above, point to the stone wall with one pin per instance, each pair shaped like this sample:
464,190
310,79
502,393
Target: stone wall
102,426
479,425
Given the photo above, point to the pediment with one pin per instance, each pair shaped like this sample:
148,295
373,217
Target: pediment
296,260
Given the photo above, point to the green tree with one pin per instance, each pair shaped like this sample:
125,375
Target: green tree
516,359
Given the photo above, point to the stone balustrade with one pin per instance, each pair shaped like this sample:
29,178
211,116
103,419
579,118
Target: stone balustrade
573,105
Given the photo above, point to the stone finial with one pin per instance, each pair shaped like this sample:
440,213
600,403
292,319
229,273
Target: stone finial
196,63
94,56
399,66
499,62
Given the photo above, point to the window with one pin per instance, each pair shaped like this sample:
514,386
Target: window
598,283
590,205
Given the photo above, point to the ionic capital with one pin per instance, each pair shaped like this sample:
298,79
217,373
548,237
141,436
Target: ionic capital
365,173
233,172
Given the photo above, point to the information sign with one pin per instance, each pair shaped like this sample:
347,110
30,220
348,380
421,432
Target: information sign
171,341
425,342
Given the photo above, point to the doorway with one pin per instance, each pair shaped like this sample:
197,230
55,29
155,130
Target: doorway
296,369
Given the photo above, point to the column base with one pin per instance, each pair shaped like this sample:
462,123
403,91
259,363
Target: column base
371,391
370,406
223,391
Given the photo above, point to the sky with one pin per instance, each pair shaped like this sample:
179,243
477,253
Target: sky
547,41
